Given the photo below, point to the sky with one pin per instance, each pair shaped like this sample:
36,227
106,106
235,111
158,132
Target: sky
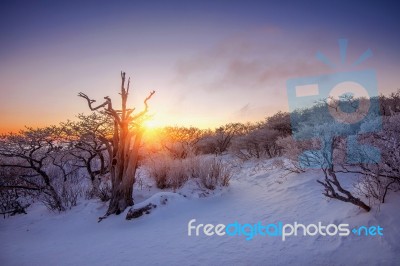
210,62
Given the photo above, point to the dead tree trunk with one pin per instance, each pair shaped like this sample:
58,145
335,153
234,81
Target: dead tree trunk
123,147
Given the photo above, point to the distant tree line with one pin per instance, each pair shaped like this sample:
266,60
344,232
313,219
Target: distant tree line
58,164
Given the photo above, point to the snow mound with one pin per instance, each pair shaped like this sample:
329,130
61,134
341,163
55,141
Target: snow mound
158,199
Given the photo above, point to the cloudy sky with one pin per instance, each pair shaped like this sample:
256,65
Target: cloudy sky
210,63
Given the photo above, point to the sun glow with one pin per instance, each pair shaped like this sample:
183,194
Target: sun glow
152,124
152,129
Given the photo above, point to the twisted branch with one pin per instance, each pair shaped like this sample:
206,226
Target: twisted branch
146,107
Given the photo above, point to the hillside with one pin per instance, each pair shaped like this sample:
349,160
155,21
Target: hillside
258,192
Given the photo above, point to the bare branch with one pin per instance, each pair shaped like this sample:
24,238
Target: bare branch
90,101
19,187
146,107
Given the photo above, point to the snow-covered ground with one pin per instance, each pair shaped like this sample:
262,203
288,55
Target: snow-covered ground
257,193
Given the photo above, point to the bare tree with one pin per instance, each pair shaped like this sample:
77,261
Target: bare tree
324,153
86,145
280,122
225,134
326,159
123,147
334,190
379,174
180,142
390,105
31,151
259,143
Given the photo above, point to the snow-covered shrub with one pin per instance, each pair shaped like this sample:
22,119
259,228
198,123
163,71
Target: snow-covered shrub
158,167
211,172
167,172
325,150
207,145
99,188
390,105
292,150
67,192
382,176
260,143
280,122
375,188
35,150
13,202
105,191
289,166
259,140
174,173
177,174
13,198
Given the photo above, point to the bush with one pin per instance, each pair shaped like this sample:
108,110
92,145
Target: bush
13,202
168,172
177,174
105,191
158,168
13,199
174,173
212,173
259,143
66,193
375,188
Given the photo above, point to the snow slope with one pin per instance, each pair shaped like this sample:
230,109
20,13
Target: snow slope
257,193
